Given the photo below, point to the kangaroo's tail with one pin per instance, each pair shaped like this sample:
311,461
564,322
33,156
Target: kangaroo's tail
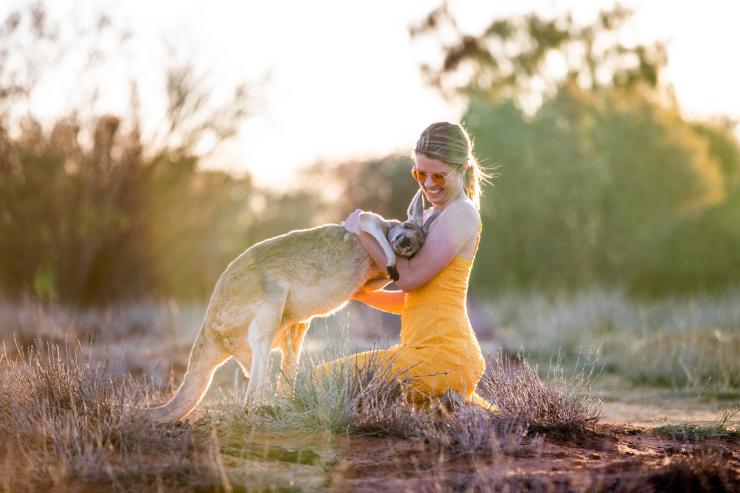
205,358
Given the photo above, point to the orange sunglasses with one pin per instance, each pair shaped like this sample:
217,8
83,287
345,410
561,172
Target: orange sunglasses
438,179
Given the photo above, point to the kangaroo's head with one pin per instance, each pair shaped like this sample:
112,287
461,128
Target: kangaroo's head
407,238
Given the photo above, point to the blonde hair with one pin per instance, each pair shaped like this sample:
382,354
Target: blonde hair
451,144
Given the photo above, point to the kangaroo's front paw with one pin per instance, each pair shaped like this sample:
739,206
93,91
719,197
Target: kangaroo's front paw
392,272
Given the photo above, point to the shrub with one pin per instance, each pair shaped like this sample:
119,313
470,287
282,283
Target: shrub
517,389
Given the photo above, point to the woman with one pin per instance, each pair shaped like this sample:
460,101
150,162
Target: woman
438,347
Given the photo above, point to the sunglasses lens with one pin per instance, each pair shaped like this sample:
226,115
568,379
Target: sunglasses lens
421,176
439,179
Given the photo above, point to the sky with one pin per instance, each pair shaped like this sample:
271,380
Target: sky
336,80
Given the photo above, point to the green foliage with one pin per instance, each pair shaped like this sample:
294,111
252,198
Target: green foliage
91,211
700,253
106,222
605,183
589,185
601,179
596,187
723,147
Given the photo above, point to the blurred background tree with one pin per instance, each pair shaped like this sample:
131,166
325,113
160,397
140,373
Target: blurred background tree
602,177
530,58
602,180
381,185
91,211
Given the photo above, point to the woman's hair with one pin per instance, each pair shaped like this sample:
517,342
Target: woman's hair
450,143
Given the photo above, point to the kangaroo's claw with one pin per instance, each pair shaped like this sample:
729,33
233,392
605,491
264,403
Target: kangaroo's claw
392,272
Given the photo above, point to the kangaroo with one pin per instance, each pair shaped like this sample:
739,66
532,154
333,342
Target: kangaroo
267,296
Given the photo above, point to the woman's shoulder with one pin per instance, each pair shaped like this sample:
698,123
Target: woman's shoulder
460,214
464,210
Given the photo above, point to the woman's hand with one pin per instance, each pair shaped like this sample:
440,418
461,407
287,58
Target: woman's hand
352,223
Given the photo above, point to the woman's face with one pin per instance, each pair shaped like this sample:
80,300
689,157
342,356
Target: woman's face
439,196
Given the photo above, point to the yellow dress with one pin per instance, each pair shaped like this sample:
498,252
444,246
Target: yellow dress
438,348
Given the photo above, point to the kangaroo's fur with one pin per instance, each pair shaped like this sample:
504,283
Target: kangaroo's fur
266,297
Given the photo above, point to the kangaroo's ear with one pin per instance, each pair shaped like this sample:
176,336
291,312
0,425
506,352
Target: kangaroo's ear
416,208
430,220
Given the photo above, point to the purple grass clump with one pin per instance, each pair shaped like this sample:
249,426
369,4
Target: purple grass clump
515,386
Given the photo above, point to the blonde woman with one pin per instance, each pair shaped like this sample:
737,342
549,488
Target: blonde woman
438,348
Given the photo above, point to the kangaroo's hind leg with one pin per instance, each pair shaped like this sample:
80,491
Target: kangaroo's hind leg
262,329
290,344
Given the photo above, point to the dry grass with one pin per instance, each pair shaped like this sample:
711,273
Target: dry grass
695,359
65,423
371,402
684,343
66,420
380,407
24,324
514,385
722,428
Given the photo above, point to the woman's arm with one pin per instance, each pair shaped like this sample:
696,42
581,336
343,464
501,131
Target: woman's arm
387,301
454,227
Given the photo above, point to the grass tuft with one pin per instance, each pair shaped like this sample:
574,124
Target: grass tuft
692,432
567,412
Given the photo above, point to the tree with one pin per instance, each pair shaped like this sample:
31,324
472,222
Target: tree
529,58
92,211
600,173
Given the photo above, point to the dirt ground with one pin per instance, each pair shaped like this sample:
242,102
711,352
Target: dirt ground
615,458
622,454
